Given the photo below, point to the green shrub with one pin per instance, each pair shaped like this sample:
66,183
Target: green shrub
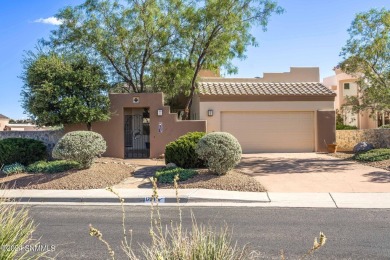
374,155
345,127
384,126
21,150
167,175
52,166
80,146
221,150
182,151
13,168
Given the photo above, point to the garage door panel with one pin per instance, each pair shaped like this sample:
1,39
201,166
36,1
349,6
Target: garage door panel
271,131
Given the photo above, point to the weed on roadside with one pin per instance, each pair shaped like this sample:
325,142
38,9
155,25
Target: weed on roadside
16,229
175,243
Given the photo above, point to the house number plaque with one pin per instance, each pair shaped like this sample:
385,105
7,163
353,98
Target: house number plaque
160,127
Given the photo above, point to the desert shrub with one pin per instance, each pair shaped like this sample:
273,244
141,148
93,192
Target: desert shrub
167,175
221,150
182,151
345,127
16,228
21,150
80,146
52,166
384,126
373,155
200,242
13,168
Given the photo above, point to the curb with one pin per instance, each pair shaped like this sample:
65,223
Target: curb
163,200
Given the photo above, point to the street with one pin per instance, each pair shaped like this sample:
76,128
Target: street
351,233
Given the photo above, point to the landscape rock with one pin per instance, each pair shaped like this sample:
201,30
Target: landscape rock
362,147
171,165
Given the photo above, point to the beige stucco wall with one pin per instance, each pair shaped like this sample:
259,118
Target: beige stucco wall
25,127
336,83
367,122
3,122
296,74
195,108
214,122
113,130
347,139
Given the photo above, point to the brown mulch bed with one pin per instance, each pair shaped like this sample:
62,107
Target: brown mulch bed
102,174
385,164
233,181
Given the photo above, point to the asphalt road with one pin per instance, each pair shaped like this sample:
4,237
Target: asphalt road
352,233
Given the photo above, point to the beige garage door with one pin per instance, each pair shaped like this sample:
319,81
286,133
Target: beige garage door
271,131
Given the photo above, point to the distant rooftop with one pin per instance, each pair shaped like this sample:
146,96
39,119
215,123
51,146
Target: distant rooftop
3,116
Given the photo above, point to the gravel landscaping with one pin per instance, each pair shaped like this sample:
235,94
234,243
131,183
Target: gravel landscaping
107,172
385,164
103,173
233,181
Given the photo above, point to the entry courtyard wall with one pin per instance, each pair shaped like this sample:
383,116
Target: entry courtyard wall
163,129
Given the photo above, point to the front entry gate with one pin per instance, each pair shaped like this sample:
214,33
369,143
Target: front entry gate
137,131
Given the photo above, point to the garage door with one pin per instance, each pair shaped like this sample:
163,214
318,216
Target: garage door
271,131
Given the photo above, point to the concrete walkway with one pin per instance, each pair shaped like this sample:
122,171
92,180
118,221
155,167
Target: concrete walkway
201,197
311,172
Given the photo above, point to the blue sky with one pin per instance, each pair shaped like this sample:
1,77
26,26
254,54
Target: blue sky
309,33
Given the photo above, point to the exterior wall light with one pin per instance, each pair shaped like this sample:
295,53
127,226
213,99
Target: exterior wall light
159,112
210,112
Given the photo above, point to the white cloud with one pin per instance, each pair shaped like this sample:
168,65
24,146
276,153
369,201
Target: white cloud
50,20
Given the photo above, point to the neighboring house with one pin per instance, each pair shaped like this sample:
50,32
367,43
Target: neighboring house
23,127
281,112
345,85
3,121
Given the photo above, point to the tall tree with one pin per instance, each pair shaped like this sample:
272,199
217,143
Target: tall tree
161,45
217,31
126,35
64,90
367,56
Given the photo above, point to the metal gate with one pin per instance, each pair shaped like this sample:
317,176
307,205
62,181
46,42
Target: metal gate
137,131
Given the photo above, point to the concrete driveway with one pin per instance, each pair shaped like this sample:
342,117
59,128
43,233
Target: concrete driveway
311,172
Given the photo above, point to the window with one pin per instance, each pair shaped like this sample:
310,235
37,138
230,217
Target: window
346,85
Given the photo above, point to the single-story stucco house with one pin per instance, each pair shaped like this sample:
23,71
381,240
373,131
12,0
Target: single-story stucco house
281,112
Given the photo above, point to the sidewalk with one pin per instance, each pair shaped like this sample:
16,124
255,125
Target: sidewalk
202,197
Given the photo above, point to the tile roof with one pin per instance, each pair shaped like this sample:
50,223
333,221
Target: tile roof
3,116
264,88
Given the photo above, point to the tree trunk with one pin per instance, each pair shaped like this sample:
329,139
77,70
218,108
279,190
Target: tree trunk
189,103
89,126
191,96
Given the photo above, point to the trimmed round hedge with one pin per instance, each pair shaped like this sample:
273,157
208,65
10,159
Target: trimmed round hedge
221,150
21,150
182,151
80,146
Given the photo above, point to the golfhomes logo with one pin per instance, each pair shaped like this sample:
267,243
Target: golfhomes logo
29,248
